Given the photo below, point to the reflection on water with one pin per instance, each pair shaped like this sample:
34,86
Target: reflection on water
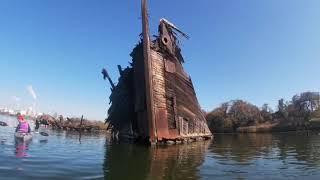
304,148
21,148
127,161
180,162
123,161
247,147
70,155
260,156
241,147
243,156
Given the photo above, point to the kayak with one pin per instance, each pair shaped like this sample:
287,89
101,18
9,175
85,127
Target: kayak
3,123
23,136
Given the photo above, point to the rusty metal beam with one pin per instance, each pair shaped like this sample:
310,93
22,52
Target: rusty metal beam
174,27
106,76
148,72
120,69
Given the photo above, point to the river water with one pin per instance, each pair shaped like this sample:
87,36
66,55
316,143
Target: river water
70,155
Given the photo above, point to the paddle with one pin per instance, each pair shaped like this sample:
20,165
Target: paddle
44,134
41,133
3,123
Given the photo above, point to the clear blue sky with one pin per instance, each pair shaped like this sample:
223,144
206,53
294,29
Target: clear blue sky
259,51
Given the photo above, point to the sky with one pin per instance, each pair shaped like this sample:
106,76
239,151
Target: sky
259,51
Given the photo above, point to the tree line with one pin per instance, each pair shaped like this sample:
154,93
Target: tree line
302,109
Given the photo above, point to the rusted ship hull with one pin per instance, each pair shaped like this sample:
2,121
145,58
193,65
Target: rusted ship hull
154,100
177,111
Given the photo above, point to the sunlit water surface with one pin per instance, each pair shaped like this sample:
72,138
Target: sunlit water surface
70,155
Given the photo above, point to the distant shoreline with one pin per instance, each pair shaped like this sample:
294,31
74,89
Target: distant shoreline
302,113
273,128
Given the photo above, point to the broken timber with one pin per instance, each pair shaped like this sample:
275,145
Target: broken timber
154,99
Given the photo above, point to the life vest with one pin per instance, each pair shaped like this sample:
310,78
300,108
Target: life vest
23,127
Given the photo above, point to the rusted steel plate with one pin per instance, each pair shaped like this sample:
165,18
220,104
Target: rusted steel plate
161,123
170,66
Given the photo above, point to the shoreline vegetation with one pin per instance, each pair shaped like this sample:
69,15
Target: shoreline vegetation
301,113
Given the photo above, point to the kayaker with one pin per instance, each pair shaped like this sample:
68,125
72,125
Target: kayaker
37,124
45,123
23,126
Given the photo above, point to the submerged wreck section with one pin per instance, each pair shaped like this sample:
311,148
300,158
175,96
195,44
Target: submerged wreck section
154,100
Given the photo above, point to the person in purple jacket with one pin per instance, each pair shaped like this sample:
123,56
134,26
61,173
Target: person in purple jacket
23,126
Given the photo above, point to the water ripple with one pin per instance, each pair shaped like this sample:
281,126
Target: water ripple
69,155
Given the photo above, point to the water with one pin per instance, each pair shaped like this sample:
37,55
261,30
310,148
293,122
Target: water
67,155
61,155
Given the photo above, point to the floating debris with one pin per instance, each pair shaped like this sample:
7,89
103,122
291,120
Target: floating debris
71,124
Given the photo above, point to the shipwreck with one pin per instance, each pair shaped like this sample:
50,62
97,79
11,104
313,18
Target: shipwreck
154,100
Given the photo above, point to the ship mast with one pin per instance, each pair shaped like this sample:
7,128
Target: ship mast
147,70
